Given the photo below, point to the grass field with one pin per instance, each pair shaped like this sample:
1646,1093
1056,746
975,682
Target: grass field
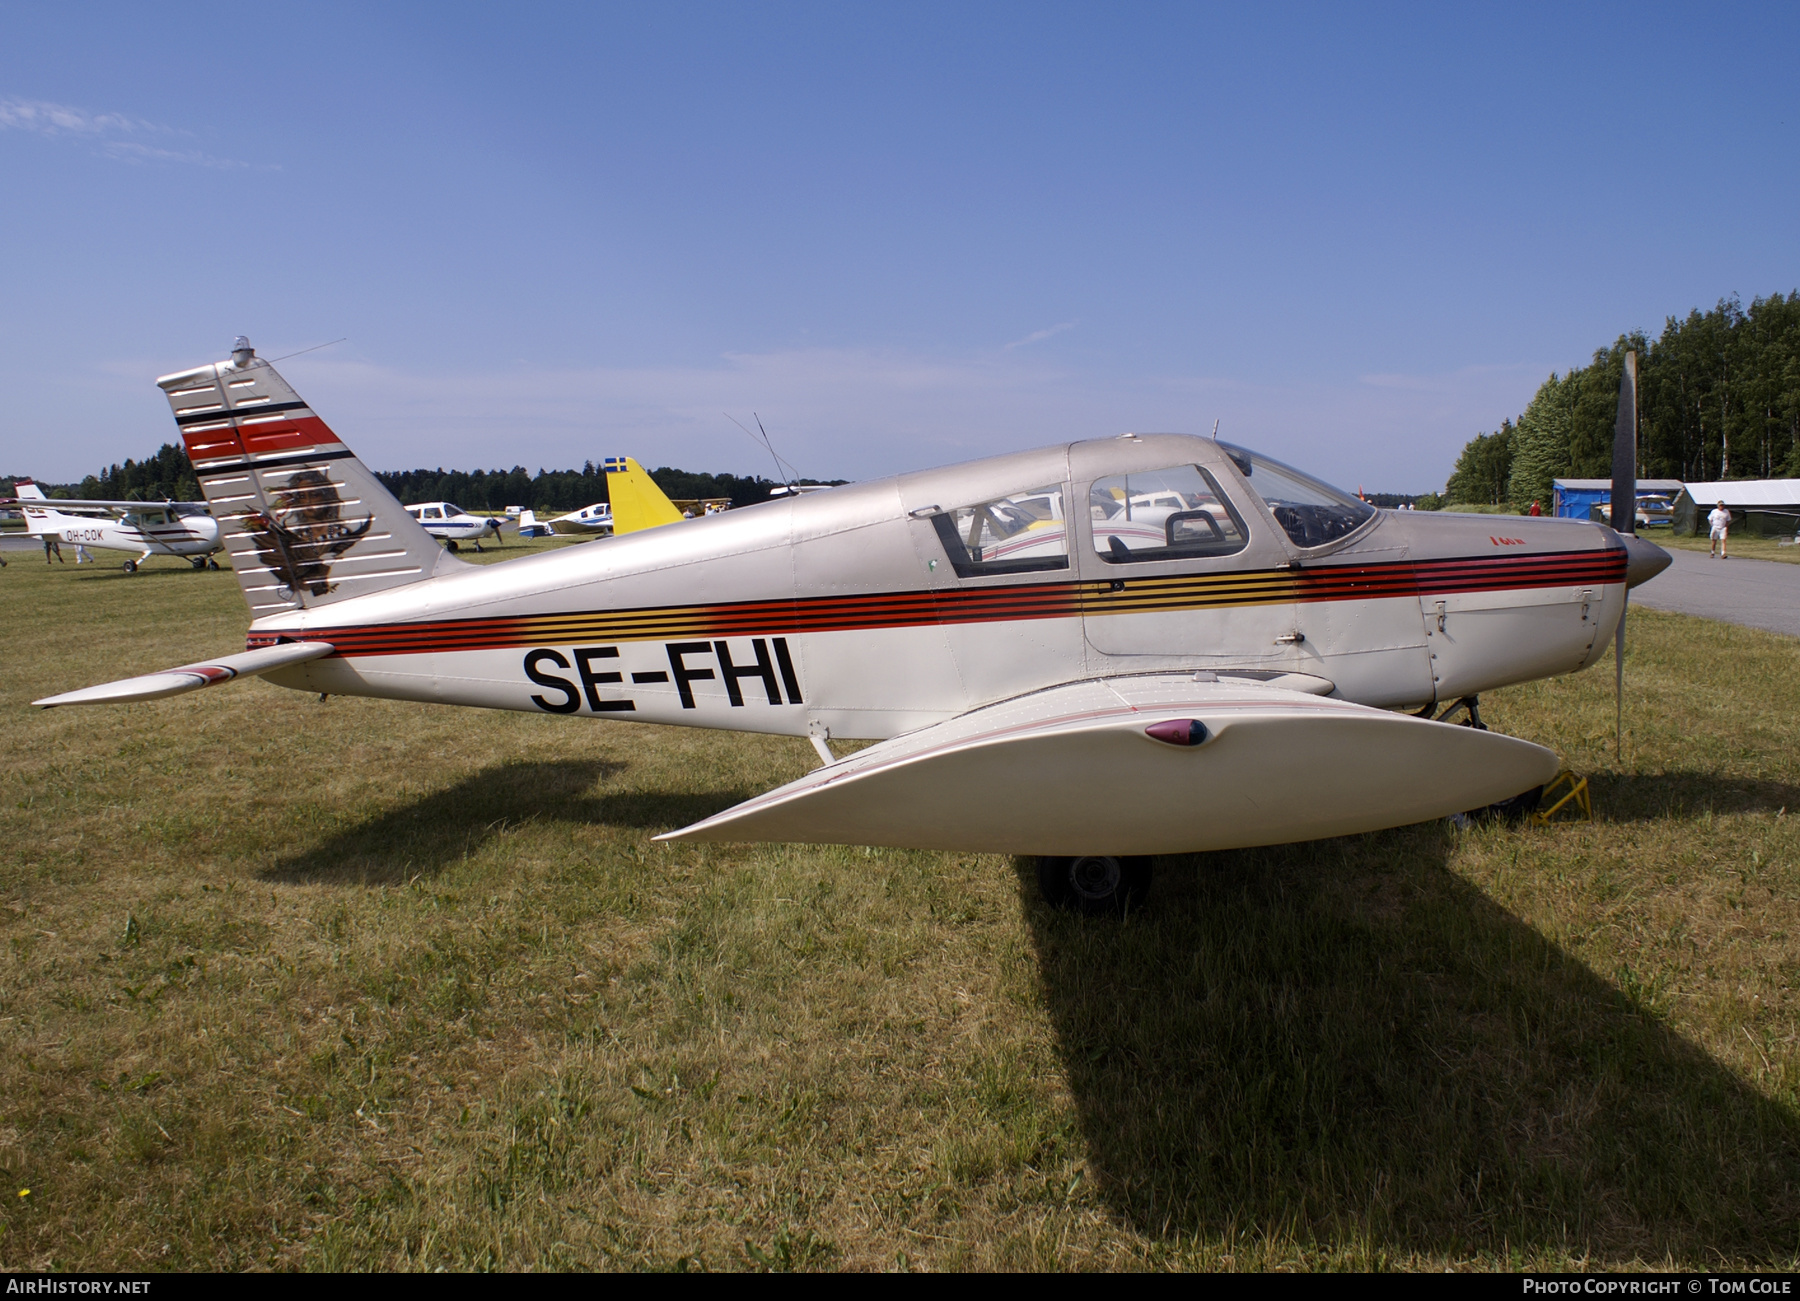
361,984
1739,545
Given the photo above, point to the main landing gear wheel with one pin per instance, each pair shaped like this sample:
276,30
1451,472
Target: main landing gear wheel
1512,812
451,546
131,566
1095,884
197,563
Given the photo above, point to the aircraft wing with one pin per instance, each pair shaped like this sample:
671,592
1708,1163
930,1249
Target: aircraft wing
115,507
191,677
1154,764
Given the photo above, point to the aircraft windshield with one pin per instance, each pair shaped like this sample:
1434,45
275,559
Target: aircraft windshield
1312,513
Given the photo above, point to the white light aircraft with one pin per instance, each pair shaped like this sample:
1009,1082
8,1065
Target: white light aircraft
149,528
452,524
1092,652
589,519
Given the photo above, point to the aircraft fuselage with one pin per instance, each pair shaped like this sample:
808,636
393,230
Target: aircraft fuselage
845,613
155,533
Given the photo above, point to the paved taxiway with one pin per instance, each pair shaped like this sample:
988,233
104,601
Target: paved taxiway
1755,593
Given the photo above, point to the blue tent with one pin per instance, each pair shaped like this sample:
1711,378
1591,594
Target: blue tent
1576,498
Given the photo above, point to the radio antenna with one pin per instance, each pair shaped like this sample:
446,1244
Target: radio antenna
784,471
314,348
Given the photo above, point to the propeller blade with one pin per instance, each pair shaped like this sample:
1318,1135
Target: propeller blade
1624,467
1624,520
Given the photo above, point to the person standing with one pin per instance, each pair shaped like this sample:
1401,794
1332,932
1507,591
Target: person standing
1719,524
53,547
81,555
1536,509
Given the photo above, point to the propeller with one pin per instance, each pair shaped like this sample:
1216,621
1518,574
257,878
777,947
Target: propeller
1624,503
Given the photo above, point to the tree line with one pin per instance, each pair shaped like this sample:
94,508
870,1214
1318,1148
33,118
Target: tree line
166,476
1718,398
560,490
169,476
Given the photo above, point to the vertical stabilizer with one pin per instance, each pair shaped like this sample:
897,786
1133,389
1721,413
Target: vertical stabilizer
306,523
637,503
37,522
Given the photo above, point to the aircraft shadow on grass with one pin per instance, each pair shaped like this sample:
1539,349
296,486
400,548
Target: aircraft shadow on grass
1650,797
1347,1043
423,837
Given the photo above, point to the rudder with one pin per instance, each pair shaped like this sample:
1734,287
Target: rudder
37,522
637,503
306,523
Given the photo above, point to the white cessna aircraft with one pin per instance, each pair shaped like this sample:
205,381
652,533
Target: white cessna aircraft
150,528
1041,675
453,524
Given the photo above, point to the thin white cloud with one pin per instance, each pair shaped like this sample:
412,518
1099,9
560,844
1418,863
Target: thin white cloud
108,130
1038,336
131,151
1457,379
861,413
59,119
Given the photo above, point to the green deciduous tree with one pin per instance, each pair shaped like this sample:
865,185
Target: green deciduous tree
1483,473
1718,398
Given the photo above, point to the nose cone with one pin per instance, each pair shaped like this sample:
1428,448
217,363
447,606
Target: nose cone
1643,560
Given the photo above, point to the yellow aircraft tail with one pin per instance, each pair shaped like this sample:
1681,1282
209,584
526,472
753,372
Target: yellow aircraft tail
637,503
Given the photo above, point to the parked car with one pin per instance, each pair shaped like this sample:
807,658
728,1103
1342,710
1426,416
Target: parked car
1652,512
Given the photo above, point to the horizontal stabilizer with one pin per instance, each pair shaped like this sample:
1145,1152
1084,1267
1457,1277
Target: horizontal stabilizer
191,677
1156,764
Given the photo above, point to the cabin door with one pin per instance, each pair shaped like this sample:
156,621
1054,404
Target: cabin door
1173,570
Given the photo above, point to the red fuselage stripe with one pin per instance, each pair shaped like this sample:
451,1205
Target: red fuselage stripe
1062,600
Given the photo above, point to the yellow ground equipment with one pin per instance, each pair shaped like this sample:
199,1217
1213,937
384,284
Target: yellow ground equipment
1576,791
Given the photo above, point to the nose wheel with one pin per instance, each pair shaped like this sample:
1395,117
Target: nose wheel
1096,885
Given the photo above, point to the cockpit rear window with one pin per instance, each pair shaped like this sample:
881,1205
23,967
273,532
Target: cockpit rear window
1020,533
1169,514
1312,513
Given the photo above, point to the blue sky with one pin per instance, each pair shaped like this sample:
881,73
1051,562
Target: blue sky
904,235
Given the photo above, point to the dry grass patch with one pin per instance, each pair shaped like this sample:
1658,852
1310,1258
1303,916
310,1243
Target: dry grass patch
366,984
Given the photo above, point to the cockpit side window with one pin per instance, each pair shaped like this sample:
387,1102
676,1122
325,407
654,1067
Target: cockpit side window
1021,533
1310,512
1170,514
